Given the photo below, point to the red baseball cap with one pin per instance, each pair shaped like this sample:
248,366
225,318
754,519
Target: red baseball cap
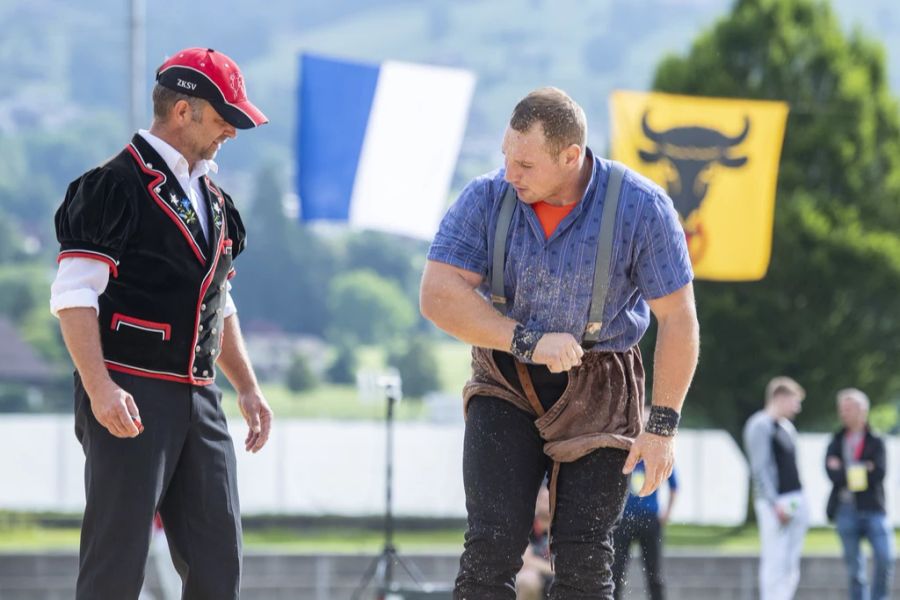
211,75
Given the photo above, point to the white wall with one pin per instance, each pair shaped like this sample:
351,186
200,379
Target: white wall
337,468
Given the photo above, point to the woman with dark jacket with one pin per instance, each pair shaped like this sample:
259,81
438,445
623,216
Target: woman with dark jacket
856,463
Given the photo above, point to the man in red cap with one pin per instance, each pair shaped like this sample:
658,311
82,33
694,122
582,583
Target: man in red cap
147,242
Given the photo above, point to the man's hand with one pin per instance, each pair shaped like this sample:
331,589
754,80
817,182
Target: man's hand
784,517
258,415
559,351
114,408
834,463
658,454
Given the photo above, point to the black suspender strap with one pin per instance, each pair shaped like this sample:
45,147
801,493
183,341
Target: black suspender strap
604,255
498,294
604,252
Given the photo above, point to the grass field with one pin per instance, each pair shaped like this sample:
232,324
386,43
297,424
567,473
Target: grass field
16,537
329,401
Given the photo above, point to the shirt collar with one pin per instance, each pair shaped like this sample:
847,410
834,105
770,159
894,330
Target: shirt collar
177,163
592,182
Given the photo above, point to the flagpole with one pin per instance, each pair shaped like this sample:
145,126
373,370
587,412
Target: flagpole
137,63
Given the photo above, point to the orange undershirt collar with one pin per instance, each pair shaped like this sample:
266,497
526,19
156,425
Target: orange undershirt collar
551,215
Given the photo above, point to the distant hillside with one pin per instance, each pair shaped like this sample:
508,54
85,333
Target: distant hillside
60,60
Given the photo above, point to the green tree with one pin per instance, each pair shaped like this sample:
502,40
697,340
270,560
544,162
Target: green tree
393,257
826,313
281,275
25,287
366,308
418,366
343,368
300,376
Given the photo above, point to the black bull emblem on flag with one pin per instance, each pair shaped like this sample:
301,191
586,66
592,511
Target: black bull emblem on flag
691,151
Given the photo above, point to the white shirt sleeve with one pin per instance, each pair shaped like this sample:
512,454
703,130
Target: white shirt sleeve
79,283
230,306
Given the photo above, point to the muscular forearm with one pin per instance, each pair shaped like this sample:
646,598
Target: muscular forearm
677,350
233,360
450,302
82,337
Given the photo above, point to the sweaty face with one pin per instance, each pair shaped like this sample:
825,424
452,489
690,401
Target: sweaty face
205,136
530,168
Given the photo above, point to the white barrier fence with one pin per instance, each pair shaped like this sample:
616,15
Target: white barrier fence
313,467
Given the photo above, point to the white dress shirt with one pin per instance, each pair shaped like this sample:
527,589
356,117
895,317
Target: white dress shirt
80,281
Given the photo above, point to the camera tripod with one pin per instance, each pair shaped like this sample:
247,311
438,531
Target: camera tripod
381,569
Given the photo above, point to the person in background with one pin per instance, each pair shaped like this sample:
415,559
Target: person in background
770,441
856,462
643,521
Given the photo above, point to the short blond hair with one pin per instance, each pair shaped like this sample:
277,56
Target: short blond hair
783,386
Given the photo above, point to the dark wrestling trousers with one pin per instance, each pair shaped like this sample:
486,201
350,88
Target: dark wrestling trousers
182,465
503,467
646,529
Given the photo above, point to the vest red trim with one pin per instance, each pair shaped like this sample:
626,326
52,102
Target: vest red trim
164,329
105,258
123,368
152,187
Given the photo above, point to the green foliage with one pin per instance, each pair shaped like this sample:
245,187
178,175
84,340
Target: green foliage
397,258
25,303
418,366
367,308
285,269
826,313
300,377
11,246
24,287
346,362
41,330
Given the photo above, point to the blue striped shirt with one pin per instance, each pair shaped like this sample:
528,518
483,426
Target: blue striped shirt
549,282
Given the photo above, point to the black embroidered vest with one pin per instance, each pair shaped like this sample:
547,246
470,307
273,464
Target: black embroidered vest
161,314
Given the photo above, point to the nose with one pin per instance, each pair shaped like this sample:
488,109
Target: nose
511,175
230,131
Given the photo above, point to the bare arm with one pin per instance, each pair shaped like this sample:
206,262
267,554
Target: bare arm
235,364
677,347
677,350
113,407
448,298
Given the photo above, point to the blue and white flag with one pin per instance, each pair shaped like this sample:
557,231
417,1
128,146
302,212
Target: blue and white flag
379,143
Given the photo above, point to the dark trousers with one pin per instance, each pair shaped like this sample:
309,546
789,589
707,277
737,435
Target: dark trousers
183,466
503,467
644,528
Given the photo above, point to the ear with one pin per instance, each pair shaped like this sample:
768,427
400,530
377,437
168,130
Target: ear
571,156
181,112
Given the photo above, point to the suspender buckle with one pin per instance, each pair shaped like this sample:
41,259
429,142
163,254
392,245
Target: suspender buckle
593,328
498,299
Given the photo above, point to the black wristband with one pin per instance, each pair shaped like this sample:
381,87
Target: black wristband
524,341
663,421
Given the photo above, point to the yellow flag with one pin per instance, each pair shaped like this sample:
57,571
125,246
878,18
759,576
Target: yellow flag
718,160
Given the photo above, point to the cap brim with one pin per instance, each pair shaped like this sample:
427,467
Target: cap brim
243,115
